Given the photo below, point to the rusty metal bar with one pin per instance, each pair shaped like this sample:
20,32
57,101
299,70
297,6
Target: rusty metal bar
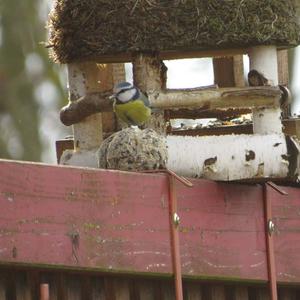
174,237
174,224
270,242
44,291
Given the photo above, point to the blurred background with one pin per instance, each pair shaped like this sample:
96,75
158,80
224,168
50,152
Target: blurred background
33,88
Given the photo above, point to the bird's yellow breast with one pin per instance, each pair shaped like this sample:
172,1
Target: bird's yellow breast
133,113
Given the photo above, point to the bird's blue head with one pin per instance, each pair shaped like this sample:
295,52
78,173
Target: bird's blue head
125,92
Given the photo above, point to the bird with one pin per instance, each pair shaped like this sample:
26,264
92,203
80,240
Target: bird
256,78
130,104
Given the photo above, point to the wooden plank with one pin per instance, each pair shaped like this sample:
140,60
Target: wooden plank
221,231
122,289
167,55
167,291
23,288
146,290
97,288
221,130
291,127
238,71
287,294
193,291
262,294
223,71
240,293
283,67
217,292
73,287
285,210
2,285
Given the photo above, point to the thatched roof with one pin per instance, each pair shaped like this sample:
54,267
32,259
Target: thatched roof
85,29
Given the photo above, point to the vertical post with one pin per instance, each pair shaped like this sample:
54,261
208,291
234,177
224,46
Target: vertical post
149,74
270,244
44,291
83,78
174,223
264,60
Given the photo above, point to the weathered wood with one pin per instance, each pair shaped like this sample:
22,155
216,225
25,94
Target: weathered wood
146,290
2,286
222,130
219,98
222,114
240,293
168,291
167,55
229,157
97,289
287,294
83,78
262,294
149,74
223,71
122,289
264,60
217,292
193,291
23,290
122,222
238,71
283,70
73,287
205,99
290,127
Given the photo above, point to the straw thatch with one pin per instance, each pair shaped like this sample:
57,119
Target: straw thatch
85,29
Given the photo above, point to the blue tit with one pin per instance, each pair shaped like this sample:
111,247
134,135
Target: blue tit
130,104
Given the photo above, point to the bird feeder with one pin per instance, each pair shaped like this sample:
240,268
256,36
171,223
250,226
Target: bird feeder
94,42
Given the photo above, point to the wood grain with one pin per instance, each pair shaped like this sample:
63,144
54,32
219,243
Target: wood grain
112,221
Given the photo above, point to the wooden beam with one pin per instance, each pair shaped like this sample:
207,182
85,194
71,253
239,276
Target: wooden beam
45,204
169,55
219,98
222,114
229,157
193,99
219,130
83,78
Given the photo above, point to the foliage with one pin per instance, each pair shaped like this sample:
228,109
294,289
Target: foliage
24,66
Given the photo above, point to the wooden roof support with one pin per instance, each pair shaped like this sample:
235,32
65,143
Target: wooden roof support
264,59
223,98
149,74
198,101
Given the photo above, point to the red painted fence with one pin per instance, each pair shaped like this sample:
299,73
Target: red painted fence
111,221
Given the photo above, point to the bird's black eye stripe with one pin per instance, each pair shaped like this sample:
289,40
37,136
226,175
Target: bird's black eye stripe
124,90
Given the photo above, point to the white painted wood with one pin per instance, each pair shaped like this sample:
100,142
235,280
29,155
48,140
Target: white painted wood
264,60
88,133
229,157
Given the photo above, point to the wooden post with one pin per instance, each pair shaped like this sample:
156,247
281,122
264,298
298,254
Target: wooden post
238,71
264,60
82,78
149,74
